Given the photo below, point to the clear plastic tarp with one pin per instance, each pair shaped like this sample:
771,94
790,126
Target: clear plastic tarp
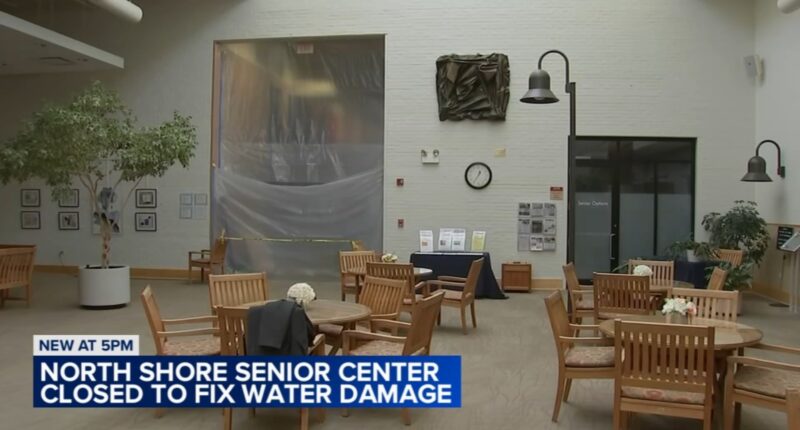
300,152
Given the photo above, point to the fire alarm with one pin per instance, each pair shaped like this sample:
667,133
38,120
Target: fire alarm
400,182
401,222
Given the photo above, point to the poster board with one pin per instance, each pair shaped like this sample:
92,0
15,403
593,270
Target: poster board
536,226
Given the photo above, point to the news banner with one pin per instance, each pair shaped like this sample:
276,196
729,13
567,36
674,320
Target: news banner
107,371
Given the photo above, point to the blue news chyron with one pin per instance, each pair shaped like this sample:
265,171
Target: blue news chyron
246,381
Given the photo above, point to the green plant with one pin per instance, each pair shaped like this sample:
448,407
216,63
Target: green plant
740,228
94,139
738,277
703,250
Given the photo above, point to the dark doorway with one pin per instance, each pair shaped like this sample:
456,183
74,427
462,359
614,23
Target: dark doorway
632,197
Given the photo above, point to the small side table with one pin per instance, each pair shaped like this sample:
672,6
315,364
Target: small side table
517,276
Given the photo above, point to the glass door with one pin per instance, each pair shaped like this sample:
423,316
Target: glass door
632,198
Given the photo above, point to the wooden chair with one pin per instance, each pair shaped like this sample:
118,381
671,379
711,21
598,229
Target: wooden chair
663,271
402,271
384,297
793,405
663,369
16,271
578,357
717,280
759,382
616,294
349,260
358,245
718,305
237,289
580,296
460,292
417,340
172,342
732,256
232,323
211,260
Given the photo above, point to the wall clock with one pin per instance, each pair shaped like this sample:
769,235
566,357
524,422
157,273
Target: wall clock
478,175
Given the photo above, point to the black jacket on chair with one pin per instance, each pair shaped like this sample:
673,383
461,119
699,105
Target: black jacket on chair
278,328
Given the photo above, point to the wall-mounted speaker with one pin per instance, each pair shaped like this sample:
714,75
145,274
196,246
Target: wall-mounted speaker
754,66
788,6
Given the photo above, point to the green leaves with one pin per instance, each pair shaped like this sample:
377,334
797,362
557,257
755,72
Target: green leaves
92,133
740,228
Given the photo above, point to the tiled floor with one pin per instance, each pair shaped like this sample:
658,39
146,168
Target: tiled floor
508,376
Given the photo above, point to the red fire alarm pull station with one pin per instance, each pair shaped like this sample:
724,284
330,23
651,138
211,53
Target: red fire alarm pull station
400,182
401,222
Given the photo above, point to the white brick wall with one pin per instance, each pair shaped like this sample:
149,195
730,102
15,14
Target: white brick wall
643,67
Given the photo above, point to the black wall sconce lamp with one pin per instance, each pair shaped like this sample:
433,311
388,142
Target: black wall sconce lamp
757,166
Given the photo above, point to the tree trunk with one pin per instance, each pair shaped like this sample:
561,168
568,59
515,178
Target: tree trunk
105,232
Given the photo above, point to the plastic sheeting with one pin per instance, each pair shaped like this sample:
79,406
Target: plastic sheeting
300,152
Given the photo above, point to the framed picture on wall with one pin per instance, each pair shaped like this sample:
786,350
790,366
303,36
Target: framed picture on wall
187,199
69,221
30,198
146,198
200,199
145,221
30,220
186,212
71,199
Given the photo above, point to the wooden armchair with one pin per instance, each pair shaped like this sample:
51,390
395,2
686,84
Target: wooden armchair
580,296
663,271
402,271
578,357
616,295
663,369
732,256
232,330
719,305
237,289
417,340
759,382
16,271
349,260
211,260
717,280
383,296
793,404
172,342
460,292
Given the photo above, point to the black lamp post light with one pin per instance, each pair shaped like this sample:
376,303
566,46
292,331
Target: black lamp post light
757,166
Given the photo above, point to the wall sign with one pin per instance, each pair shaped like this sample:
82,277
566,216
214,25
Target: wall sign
556,193
784,233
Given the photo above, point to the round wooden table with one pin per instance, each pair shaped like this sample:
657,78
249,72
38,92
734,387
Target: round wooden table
663,288
728,336
323,311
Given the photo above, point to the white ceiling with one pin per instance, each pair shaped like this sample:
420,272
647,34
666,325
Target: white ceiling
26,48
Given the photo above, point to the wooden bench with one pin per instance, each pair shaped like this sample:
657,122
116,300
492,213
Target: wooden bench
16,270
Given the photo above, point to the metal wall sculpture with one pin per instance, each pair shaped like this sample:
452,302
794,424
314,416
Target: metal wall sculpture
472,86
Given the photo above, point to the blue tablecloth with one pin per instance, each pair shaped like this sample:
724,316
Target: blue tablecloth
693,272
456,263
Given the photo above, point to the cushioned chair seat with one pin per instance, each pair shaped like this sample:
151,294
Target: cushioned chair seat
201,260
330,329
453,295
768,382
407,301
663,395
199,346
590,356
378,347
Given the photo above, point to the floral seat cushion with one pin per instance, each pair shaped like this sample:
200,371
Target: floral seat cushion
407,301
584,304
330,330
767,382
378,347
199,346
660,395
590,356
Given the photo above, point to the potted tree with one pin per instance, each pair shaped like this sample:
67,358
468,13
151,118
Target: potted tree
93,140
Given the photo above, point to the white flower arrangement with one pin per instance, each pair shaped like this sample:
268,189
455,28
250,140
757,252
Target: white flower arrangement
679,306
302,293
642,270
388,258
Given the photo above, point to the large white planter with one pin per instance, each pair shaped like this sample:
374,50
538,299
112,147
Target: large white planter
104,288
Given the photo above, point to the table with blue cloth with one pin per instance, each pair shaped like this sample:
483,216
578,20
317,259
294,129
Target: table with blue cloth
454,263
693,272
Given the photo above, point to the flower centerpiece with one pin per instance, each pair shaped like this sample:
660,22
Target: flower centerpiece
301,293
642,270
680,308
389,258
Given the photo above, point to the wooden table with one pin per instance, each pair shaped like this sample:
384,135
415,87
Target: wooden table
361,271
728,336
663,288
323,311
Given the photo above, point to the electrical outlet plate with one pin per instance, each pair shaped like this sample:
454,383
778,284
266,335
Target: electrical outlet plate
429,155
